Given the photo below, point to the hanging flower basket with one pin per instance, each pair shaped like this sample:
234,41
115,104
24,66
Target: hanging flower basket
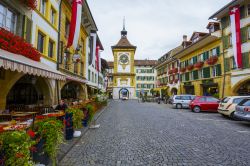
183,69
170,72
212,60
175,70
31,4
17,45
190,67
199,65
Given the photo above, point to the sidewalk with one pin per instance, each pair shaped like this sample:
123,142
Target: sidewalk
69,144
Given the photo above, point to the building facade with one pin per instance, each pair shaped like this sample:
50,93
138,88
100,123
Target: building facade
237,81
124,69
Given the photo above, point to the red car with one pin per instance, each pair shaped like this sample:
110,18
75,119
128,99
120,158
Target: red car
204,103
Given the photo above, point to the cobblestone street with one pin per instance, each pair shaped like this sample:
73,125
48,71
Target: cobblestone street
133,133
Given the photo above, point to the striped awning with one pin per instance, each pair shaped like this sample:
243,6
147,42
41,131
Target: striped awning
19,63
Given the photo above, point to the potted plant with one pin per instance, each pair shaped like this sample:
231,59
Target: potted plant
175,70
50,130
15,145
78,116
199,65
212,60
183,69
190,67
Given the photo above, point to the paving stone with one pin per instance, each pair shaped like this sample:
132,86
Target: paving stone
133,133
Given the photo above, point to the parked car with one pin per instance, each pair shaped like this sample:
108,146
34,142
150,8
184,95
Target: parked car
204,103
181,101
228,104
243,110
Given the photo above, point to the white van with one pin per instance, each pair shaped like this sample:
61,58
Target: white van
182,101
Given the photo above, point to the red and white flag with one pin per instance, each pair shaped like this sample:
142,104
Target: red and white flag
97,57
235,29
75,23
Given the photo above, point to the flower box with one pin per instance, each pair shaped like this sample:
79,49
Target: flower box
183,69
175,70
199,65
190,67
17,45
170,72
212,60
31,4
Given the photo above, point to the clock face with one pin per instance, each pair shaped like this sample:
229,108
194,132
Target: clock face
123,59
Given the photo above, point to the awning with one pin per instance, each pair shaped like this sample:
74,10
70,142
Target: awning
14,62
72,78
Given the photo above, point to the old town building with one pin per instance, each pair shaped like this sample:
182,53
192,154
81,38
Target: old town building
236,80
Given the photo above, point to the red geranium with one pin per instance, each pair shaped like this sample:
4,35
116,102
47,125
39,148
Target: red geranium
183,69
198,65
17,45
31,4
31,133
212,60
175,70
190,67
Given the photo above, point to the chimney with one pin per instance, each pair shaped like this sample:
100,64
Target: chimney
184,38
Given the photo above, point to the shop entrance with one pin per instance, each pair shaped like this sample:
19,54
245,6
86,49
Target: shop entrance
124,93
244,89
189,90
211,90
71,91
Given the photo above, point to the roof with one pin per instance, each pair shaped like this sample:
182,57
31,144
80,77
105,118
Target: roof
146,62
124,43
212,23
201,34
138,63
225,9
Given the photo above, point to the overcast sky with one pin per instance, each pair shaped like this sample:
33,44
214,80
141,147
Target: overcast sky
154,26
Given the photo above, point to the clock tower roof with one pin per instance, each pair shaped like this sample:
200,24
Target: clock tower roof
124,42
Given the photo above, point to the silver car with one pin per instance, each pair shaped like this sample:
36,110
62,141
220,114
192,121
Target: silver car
243,110
182,101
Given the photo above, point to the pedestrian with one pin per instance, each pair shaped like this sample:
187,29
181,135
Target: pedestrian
62,106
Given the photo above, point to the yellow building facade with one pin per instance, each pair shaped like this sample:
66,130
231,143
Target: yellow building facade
124,68
198,75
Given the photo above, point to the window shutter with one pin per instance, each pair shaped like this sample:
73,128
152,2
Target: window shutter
195,75
243,34
233,63
227,64
195,59
187,76
245,59
206,72
225,42
218,51
242,12
218,68
224,22
28,29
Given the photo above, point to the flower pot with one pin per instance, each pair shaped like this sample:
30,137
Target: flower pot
39,156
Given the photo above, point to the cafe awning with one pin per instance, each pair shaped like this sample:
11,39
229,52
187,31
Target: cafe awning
15,62
73,78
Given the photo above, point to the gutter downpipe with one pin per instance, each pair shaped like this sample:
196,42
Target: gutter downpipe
223,55
58,48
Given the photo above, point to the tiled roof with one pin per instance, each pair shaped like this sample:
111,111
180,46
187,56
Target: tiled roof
123,43
138,63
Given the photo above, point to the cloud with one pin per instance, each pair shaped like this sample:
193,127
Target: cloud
154,26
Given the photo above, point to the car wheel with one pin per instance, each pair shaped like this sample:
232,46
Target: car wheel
178,106
197,109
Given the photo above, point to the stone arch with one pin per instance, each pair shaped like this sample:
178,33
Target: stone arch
174,91
42,86
79,90
125,89
239,84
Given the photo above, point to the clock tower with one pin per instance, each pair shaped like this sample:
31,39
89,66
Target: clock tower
124,71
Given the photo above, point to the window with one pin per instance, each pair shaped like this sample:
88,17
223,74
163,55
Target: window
211,99
230,40
242,12
217,70
248,9
206,72
66,61
52,16
67,25
40,42
43,6
233,63
51,49
225,22
205,55
89,75
245,60
243,34
245,102
195,75
227,64
237,101
186,76
7,19
202,99
195,59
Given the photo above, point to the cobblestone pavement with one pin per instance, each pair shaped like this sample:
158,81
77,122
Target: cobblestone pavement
133,133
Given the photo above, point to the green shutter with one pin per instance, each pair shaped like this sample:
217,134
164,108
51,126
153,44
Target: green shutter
195,74
205,55
187,76
226,42
243,34
28,29
218,69
224,22
245,60
195,59
218,51
206,72
242,12
227,64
